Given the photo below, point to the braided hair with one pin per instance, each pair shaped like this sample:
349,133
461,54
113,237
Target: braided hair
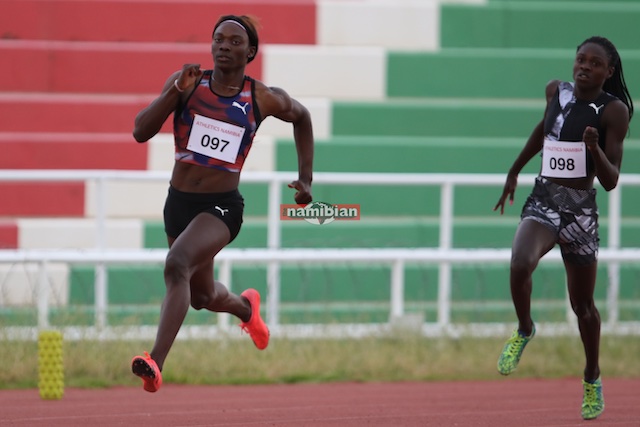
615,84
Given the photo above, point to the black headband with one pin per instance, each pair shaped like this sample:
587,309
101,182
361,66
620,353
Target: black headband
251,32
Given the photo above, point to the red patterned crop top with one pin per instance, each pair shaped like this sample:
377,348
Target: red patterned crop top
216,131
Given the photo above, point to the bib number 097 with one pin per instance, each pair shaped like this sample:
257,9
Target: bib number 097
213,143
215,139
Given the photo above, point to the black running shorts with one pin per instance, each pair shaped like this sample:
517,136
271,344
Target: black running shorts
180,208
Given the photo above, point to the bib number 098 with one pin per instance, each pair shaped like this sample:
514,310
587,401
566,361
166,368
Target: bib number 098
213,143
561,164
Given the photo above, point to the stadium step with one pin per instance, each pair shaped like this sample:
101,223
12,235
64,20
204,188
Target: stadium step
78,233
492,118
416,154
8,234
74,150
470,232
437,118
42,199
517,24
97,67
71,112
308,294
189,21
506,73
311,283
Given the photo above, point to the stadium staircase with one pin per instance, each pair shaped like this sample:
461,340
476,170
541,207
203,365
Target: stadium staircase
451,87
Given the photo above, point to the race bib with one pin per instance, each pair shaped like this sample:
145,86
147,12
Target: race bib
214,138
562,159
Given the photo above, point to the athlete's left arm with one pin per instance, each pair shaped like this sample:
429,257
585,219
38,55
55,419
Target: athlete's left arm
276,102
607,163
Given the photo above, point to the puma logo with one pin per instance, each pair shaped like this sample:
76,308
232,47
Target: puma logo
592,105
242,107
222,211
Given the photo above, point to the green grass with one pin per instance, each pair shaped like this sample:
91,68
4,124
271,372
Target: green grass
405,358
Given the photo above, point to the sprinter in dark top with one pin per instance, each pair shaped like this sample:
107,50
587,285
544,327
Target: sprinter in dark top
579,138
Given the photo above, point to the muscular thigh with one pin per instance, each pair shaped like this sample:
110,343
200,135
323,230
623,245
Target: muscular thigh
533,239
203,238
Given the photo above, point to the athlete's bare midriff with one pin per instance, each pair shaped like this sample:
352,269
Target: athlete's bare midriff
585,183
199,179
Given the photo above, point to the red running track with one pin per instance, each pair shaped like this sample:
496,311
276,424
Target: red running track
504,402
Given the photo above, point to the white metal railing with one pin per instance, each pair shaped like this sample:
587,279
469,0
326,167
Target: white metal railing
274,256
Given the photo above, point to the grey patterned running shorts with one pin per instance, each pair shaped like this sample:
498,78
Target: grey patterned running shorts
571,214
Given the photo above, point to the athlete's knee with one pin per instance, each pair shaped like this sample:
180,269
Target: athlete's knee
211,296
585,310
200,300
176,268
522,265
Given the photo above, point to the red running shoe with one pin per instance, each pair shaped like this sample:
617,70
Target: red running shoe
147,369
255,327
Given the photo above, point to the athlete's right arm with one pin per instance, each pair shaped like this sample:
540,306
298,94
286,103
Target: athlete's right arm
150,119
530,149
536,139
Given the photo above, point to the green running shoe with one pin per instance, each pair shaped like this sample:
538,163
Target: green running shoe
592,400
508,361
